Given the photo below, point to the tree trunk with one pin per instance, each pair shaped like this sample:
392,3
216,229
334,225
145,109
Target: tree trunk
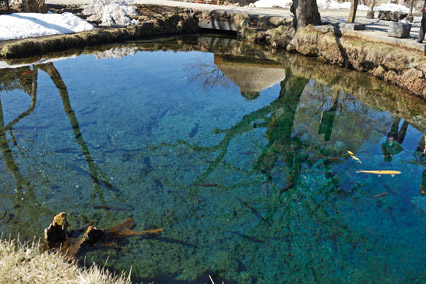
370,13
305,13
354,6
411,8
35,6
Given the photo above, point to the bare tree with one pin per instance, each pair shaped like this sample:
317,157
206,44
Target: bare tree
352,14
370,13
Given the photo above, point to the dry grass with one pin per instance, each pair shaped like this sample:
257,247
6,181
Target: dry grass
27,263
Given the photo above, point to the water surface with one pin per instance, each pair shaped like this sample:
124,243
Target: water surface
241,155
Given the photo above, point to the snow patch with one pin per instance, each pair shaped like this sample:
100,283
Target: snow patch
334,5
392,7
272,3
24,25
111,12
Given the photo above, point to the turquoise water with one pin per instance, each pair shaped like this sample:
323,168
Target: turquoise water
241,159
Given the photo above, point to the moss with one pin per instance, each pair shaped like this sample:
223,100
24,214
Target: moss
383,60
60,219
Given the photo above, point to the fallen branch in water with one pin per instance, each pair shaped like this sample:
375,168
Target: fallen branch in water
57,237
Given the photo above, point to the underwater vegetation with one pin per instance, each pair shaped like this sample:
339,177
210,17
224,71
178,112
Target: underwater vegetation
251,182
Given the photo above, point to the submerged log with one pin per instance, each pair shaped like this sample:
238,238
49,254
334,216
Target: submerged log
57,236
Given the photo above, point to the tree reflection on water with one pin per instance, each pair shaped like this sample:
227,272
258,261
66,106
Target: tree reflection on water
29,208
285,205
309,230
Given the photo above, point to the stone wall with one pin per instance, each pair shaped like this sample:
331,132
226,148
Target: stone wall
395,64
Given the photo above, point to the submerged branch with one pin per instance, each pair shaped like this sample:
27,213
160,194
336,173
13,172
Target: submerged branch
57,237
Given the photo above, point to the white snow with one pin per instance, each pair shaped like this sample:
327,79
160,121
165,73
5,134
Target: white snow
392,7
24,25
111,12
330,4
272,3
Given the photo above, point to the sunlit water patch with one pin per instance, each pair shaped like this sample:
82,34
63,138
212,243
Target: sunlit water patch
242,160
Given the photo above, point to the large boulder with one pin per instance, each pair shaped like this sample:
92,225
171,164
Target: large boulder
399,30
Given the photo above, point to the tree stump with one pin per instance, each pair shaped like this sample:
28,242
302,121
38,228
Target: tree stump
305,13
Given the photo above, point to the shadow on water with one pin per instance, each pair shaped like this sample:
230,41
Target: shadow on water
287,206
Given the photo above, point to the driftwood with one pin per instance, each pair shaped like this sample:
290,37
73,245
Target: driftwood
57,233
57,237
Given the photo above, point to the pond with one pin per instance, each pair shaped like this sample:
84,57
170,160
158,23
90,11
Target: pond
240,154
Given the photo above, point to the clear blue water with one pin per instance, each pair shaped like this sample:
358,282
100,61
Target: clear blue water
252,188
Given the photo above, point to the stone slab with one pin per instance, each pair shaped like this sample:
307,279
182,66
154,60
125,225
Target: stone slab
352,26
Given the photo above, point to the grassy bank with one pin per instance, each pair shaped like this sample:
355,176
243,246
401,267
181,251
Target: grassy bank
27,263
